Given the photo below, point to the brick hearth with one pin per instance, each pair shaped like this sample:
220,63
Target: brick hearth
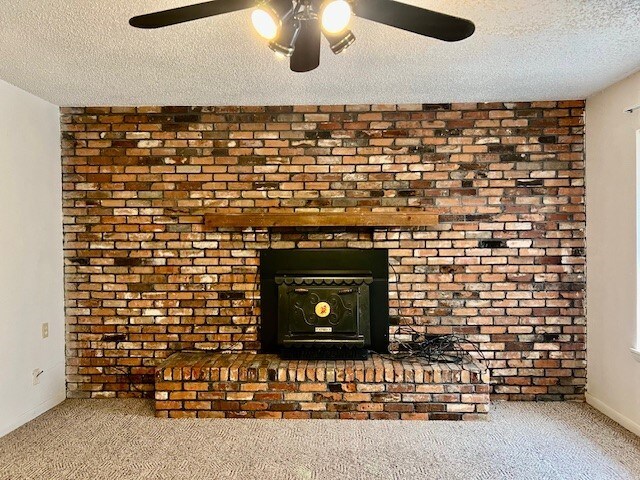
245,385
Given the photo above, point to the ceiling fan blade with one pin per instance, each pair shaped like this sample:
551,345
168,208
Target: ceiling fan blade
174,16
306,55
415,19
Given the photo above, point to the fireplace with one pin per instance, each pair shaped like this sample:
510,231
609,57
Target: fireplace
324,303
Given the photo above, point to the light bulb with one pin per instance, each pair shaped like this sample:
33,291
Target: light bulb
266,23
335,16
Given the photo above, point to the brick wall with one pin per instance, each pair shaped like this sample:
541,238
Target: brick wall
505,266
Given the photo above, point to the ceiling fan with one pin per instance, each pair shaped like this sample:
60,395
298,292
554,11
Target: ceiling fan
294,27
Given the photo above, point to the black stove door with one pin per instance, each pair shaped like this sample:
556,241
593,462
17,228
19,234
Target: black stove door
323,311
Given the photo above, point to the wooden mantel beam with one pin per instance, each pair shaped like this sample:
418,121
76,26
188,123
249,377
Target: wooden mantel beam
325,219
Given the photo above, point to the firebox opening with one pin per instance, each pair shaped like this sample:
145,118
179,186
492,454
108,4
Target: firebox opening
324,303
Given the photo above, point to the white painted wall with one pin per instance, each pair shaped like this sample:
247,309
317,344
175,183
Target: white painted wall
613,374
31,278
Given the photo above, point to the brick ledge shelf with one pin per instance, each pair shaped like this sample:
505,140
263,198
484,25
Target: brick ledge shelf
246,385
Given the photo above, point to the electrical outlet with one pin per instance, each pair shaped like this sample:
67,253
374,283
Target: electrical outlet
36,376
45,330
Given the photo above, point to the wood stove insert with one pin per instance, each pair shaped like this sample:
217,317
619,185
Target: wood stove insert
324,304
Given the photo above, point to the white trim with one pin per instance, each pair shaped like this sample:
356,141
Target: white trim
33,413
636,354
613,414
637,252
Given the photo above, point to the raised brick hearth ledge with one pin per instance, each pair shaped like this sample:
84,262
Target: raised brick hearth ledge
245,385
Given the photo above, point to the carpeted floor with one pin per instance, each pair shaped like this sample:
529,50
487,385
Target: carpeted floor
120,439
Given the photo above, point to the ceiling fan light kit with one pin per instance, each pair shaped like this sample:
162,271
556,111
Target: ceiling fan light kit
283,29
294,27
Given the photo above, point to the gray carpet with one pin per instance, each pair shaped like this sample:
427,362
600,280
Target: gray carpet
120,439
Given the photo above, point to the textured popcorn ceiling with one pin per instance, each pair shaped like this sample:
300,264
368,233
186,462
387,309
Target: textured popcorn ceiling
80,52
